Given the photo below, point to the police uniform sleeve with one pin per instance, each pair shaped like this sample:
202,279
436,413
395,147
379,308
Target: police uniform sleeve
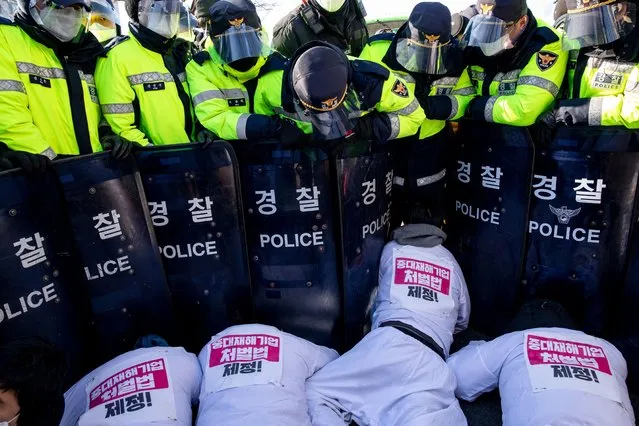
611,110
117,99
267,100
537,87
452,107
17,129
630,107
400,114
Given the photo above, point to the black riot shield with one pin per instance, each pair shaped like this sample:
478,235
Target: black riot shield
584,190
365,181
291,241
42,291
193,195
117,251
489,190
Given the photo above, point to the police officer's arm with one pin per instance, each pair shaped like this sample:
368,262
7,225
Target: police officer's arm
117,99
399,114
17,130
611,110
536,91
478,365
630,107
268,98
453,106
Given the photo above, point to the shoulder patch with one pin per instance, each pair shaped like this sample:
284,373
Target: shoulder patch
201,57
400,89
545,60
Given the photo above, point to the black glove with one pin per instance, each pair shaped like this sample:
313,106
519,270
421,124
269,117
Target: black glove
120,147
289,134
549,119
30,163
364,128
573,111
206,138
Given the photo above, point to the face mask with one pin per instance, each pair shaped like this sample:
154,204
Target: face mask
331,5
63,23
102,33
9,422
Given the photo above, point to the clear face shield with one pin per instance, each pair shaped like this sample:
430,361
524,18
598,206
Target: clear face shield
67,24
241,42
160,16
491,34
188,23
8,8
424,54
598,24
336,120
103,20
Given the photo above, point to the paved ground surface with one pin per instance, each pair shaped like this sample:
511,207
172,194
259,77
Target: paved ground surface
486,410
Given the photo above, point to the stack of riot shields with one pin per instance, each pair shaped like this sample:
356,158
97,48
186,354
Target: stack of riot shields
554,222
100,252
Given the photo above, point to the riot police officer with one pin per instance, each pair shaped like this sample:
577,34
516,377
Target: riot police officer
341,98
47,93
425,54
223,79
602,82
142,83
516,63
339,22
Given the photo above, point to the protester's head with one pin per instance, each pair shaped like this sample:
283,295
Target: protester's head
236,31
417,213
159,16
597,22
320,79
66,20
539,313
31,383
104,20
498,26
424,44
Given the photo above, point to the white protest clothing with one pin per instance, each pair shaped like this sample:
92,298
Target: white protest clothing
387,379
548,376
256,375
147,386
425,288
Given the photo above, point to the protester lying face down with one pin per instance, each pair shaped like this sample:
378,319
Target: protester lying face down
255,375
397,374
31,391
154,384
547,372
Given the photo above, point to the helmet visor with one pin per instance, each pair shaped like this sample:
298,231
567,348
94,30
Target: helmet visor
241,42
160,16
489,33
335,123
423,57
103,20
598,25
